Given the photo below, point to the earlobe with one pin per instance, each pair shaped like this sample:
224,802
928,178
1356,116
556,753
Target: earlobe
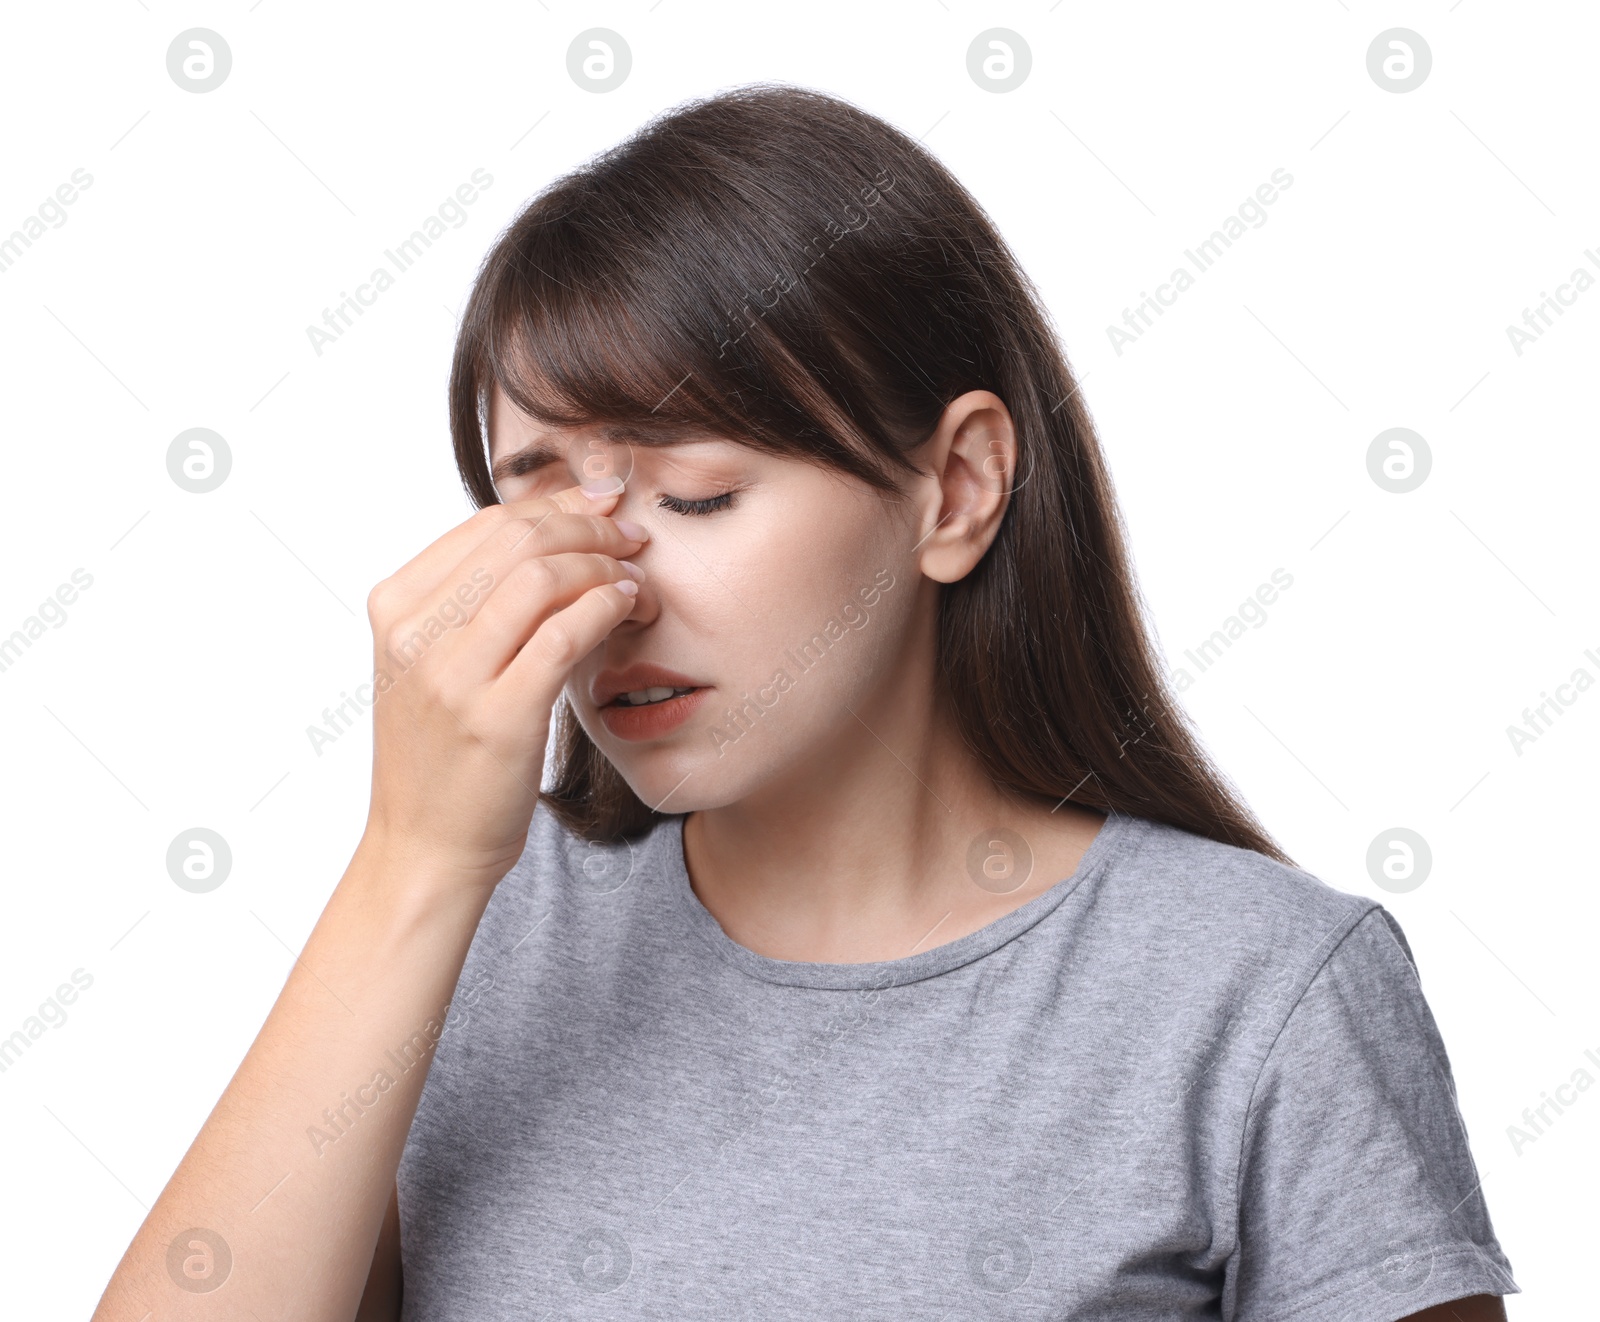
940,560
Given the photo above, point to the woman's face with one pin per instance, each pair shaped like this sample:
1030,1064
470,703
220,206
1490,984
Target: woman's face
787,592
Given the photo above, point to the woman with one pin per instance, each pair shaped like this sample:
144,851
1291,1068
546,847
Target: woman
881,942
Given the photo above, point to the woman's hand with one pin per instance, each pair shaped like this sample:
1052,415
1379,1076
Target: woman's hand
473,641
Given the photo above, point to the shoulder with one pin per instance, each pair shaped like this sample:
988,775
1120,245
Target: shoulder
1216,933
1181,882
554,853
565,889
569,914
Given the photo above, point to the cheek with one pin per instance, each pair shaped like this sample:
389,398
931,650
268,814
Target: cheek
817,583
792,572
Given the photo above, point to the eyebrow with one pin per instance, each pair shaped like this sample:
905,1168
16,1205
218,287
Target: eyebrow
541,454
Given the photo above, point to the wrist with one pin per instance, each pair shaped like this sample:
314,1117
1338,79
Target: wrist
414,882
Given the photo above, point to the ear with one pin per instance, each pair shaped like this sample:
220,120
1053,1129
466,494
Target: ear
968,464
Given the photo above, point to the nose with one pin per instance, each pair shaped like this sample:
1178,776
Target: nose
647,605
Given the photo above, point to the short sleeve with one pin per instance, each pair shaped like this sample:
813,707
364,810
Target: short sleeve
1358,1197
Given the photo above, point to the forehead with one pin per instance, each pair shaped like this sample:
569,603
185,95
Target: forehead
507,422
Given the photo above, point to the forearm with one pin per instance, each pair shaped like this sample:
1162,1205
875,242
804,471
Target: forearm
294,1166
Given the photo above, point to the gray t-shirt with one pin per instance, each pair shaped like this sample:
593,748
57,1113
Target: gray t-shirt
1184,1082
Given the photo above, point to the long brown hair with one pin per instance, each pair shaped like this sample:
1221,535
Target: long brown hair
776,265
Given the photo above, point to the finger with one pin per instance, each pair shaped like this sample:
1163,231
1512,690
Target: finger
422,575
516,540
462,592
534,679
530,593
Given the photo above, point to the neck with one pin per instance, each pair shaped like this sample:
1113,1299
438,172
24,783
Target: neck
875,848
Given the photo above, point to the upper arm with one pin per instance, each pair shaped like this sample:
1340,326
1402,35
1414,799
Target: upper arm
1357,1192
380,1301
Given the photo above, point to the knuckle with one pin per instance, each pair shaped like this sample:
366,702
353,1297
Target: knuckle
558,643
490,516
515,533
378,600
405,643
536,577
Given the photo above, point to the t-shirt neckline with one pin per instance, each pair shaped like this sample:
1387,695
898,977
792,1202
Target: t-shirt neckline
1115,833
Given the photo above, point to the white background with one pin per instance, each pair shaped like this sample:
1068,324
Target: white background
219,626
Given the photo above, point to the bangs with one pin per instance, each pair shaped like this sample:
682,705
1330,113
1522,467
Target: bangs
577,347
588,312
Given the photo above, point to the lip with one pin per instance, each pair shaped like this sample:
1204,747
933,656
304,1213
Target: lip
652,721
610,684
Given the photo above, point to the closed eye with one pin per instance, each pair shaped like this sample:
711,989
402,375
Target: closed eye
710,505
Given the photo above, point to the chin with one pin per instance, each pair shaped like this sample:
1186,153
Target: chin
692,779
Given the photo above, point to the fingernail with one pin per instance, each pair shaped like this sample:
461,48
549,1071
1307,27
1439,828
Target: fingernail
631,569
627,587
637,531
600,489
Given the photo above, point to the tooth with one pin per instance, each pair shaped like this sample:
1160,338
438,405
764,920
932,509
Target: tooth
643,697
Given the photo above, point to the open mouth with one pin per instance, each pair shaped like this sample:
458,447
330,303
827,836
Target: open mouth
648,697
646,701
652,713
